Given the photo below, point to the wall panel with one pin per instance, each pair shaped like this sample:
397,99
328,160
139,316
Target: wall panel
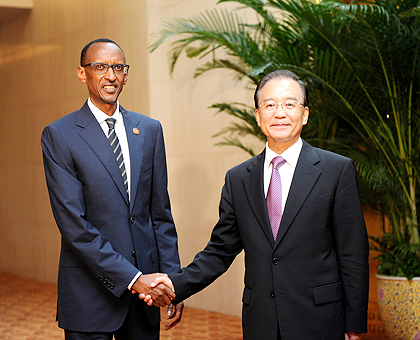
39,53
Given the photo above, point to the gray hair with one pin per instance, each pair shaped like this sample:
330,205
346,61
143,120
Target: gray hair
280,74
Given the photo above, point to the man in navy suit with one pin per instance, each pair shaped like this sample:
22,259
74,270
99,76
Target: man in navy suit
112,208
306,262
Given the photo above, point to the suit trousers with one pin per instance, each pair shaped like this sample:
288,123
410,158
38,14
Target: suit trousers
135,327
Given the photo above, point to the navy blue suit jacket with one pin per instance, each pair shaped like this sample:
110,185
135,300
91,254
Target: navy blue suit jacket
312,282
106,238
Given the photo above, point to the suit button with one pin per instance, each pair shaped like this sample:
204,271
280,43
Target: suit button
111,286
275,260
272,294
132,220
133,253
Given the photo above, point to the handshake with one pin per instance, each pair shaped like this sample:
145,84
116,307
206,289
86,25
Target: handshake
157,289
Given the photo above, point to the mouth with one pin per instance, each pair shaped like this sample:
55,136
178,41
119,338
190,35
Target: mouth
279,125
110,87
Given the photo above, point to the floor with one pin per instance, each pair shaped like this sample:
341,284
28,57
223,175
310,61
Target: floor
27,312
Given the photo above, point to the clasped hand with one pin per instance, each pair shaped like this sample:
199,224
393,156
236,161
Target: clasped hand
157,289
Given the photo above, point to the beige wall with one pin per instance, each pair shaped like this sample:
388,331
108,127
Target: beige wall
39,53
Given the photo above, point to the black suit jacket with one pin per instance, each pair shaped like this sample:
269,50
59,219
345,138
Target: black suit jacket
106,238
312,282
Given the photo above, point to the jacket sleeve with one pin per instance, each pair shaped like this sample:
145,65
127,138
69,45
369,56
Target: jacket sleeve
352,249
160,210
215,259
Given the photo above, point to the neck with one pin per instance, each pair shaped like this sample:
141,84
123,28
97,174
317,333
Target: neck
279,148
107,108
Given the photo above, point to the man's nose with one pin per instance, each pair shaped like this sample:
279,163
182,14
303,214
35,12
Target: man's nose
279,111
110,74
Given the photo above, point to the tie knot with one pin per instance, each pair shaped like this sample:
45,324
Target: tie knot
111,122
278,162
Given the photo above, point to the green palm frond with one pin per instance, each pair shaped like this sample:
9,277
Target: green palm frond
240,70
411,13
207,32
362,65
247,125
233,141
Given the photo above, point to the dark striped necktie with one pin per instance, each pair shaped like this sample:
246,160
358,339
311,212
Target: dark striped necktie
116,147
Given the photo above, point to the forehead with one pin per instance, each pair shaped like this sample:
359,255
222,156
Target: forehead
281,88
104,52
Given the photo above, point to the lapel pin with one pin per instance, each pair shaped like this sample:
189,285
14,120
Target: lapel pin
136,131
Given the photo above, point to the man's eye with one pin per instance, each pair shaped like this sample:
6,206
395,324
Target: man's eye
288,104
99,66
270,105
118,67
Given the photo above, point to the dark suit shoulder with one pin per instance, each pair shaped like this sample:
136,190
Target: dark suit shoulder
69,121
65,120
315,155
331,155
247,165
138,118
137,115
84,116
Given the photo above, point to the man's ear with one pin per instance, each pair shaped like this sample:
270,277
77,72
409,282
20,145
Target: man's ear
257,117
125,78
305,115
81,74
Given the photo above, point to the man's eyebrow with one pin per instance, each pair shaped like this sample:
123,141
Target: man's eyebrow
287,98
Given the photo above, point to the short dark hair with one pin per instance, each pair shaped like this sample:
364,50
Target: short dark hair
280,74
100,40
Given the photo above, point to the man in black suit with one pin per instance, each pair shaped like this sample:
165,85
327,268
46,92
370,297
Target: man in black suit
106,174
305,242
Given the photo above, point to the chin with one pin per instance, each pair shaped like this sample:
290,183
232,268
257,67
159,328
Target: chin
282,139
109,101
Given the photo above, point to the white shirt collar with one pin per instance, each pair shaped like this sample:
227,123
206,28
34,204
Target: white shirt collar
102,116
291,155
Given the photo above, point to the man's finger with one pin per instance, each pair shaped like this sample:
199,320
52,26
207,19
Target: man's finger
170,310
176,317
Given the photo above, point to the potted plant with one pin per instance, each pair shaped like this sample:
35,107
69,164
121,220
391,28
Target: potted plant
361,62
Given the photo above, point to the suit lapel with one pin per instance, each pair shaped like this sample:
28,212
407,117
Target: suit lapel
304,178
95,138
136,139
254,189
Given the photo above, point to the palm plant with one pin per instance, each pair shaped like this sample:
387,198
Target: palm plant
362,66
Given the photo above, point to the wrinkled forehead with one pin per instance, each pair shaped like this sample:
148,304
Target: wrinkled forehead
281,88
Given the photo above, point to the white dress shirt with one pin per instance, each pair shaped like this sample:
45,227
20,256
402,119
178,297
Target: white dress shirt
287,170
122,136
120,132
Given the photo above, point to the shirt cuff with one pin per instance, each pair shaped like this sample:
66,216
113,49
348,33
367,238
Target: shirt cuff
134,280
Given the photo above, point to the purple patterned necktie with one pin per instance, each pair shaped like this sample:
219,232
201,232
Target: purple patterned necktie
274,196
